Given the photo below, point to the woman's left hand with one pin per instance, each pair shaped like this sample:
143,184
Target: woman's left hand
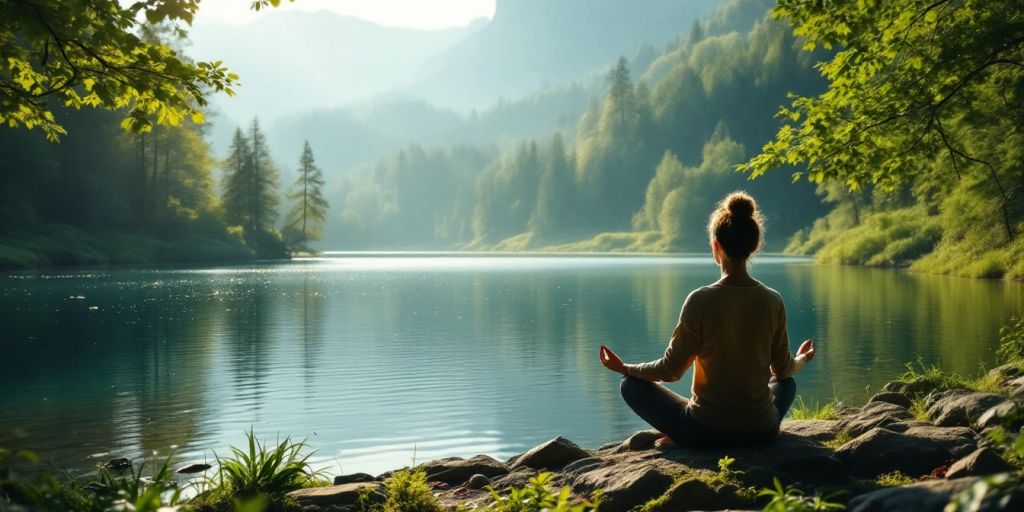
612,361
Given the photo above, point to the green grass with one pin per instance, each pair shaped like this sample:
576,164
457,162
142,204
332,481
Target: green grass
260,470
803,411
938,379
894,479
714,480
919,409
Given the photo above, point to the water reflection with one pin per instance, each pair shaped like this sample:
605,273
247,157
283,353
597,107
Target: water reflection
376,360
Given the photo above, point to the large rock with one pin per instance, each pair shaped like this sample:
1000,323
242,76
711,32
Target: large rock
892,397
1006,373
980,462
930,496
799,458
871,416
346,495
1003,412
962,409
913,388
551,455
818,430
624,487
456,471
917,451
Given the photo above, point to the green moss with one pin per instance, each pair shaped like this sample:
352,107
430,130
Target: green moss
840,439
894,479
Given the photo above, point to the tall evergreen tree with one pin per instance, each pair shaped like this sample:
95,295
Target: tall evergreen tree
307,216
237,182
263,198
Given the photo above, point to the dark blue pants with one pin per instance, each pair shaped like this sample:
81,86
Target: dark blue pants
666,411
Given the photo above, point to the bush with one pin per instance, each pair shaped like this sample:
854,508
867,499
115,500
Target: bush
1011,341
537,497
407,491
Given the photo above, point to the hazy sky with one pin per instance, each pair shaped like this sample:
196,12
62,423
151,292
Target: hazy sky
425,14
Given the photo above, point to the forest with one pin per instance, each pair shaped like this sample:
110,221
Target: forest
627,158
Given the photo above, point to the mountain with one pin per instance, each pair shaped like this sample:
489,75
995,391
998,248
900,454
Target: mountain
530,43
292,61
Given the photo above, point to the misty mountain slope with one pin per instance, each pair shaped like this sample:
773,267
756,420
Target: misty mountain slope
345,137
319,59
530,43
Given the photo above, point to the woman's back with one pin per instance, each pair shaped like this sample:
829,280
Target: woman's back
742,336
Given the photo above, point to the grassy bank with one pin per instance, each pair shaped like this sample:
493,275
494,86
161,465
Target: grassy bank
58,245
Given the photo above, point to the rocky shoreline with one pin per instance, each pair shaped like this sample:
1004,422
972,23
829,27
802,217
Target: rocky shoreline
844,457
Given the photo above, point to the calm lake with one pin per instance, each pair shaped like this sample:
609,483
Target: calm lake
379,359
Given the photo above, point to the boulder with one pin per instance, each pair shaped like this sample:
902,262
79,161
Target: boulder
800,458
892,397
980,462
346,495
624,487
551,455
873,415
1007,373
914,388
961,409
931,496
694,494
455,471
916,452
818,430
1003,411
354,478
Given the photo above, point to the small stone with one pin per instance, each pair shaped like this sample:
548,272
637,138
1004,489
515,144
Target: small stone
190,469
478,481
551,455
893,398
639,441
119,464
353,478
980,462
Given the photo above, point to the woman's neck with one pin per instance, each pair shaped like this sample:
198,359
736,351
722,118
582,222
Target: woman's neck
735,273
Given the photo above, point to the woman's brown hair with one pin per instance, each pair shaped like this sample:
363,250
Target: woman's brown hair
737,224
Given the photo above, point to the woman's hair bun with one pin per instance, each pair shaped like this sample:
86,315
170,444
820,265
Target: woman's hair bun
740,205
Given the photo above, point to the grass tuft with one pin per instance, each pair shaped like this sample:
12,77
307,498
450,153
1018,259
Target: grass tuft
840,439
827,411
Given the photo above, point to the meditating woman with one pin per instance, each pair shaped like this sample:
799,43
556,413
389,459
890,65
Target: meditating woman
733,332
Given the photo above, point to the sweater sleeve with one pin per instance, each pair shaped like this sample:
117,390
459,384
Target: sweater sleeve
681,351
781,359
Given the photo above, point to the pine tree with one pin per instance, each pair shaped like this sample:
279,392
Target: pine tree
620,91
237,181
307,216
263,186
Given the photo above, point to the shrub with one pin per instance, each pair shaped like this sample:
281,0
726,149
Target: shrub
537,497
791,499
407,491
1011,341
262,470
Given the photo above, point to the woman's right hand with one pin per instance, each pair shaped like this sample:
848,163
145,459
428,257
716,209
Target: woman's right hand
807,350
612,361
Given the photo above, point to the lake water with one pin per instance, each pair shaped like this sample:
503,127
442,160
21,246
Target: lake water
379,359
